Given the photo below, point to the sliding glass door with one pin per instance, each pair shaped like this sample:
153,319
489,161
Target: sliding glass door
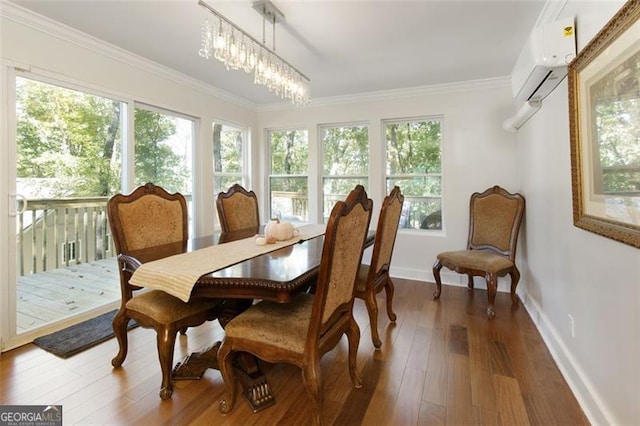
71,152
68,151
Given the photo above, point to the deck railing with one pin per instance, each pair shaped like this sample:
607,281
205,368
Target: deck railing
55,232
52,233
295,206
289,205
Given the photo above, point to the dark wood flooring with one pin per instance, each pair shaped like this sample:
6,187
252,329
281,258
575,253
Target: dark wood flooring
442,363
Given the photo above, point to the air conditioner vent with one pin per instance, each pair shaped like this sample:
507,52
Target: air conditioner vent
542,64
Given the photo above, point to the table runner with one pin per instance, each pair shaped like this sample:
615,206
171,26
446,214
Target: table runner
178,274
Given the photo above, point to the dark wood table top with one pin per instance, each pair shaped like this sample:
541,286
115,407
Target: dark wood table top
274,276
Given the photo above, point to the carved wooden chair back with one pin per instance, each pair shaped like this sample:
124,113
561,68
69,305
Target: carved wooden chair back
237,209
341,257
495,218
386,232
147,217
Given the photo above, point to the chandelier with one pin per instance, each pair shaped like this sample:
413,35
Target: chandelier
228,43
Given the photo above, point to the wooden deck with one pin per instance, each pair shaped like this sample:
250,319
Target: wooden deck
50,296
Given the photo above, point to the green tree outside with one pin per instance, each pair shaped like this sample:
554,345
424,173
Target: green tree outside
414,156
67,140
69,143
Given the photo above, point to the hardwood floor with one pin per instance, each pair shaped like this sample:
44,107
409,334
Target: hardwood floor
442,363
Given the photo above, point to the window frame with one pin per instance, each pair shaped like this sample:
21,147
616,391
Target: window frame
320,159
386,177
244,158
192,164
269,169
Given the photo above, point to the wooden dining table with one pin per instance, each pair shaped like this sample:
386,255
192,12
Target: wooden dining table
276,276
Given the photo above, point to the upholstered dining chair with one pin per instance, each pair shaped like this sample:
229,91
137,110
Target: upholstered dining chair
302,331
150,217
237,209
373,278
494,225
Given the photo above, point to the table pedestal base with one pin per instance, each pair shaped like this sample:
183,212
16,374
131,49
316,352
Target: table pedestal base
256,390
193,366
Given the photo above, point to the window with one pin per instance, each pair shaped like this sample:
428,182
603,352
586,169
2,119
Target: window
288,180
228,157
69,145
163,151
68,162
413,162
345,162
163,145
68,142
68,251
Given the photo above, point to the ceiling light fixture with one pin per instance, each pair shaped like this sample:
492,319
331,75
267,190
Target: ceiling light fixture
228,43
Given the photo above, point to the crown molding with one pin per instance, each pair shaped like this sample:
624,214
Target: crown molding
56,29
408,92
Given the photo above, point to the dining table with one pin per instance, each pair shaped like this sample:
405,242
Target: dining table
277,274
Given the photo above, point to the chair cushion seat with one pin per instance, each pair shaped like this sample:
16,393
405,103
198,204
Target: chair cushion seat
165,308
283,325
476,259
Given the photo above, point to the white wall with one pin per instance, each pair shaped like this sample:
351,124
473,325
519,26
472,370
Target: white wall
569,271
477,153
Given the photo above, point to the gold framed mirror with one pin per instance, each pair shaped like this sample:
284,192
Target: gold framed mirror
604,122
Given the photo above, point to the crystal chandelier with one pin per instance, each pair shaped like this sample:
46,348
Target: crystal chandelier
228,43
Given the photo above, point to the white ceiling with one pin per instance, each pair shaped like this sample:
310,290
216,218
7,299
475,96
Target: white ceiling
344,47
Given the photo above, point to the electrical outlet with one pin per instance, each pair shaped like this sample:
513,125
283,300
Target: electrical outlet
572,326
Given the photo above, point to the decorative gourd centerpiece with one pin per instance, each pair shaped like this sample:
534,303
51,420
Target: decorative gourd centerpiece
282,231
275,231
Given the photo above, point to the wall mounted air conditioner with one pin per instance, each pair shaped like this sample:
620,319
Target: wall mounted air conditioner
542,64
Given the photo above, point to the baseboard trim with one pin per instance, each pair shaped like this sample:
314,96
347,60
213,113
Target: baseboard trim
582,388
